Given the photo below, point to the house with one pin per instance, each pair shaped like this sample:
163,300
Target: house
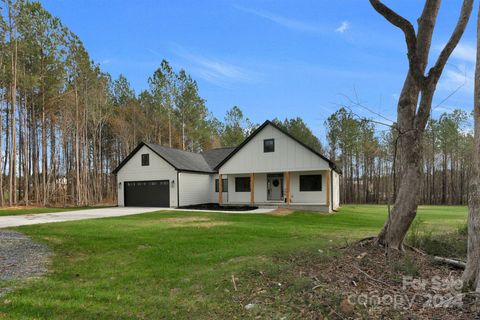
270,168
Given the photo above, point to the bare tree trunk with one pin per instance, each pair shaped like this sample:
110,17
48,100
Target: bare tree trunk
26,155
471,275
44,151
2,99
411,121
13,124
77,151
169,129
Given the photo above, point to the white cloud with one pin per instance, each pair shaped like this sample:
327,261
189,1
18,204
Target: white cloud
458,79
215,70
465,52
106,61
284,21
343,27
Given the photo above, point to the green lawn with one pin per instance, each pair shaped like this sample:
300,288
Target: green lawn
147,268
34,210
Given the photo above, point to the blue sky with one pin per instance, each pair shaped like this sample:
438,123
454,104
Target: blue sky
271,58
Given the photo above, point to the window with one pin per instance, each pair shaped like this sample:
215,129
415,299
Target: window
224,185
269,145
311,182
145,159
242,184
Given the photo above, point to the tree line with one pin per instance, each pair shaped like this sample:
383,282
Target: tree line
65,124
367,156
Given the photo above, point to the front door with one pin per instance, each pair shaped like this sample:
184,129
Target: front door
275,187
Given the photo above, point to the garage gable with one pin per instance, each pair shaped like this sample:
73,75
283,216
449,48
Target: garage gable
157,169
134,161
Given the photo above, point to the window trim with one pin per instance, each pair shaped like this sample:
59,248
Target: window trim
224,185
310,175
242,178
264,145
147,158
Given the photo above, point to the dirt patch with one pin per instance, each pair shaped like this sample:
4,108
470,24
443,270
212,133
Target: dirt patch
53,239
281,212
359,282
191,222
206,224
246,259
20,208
184,219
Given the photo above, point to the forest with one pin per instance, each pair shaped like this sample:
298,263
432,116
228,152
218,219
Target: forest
65,125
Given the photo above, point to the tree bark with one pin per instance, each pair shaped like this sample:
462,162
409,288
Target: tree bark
471,275
411,121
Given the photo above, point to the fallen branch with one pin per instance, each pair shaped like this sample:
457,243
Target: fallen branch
234,284
371,278
415,250
456,263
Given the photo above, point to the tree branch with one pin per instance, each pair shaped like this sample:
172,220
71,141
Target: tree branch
436,70
410,37
426,24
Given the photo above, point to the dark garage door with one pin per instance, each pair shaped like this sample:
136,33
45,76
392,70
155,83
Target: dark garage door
147,193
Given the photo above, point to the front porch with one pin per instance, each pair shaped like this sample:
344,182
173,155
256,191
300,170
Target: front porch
302,190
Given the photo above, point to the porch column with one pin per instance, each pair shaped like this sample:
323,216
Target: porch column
287,187
220,190
328,187
252,189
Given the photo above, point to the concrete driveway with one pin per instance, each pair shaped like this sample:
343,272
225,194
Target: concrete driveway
28,219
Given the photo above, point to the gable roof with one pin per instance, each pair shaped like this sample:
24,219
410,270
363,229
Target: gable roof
204,162
211,160
332,165
213,157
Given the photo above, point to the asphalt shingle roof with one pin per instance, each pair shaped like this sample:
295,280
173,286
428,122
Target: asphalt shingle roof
191,161
215,156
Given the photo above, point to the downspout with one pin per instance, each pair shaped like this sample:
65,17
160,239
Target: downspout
178,189
331,190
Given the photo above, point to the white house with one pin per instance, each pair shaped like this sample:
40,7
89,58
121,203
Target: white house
270,168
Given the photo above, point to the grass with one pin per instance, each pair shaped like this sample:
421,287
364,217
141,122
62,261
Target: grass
34,210
450,243
146,267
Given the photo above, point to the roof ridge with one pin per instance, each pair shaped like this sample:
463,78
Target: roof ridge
221,148
172,148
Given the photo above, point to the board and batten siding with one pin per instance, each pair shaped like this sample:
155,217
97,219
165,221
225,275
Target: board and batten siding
158,169
214,194
317,197
195,188
260,192
238,197
289,155
336,190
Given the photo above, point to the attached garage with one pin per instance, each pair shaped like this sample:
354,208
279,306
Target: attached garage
147,193
150,176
